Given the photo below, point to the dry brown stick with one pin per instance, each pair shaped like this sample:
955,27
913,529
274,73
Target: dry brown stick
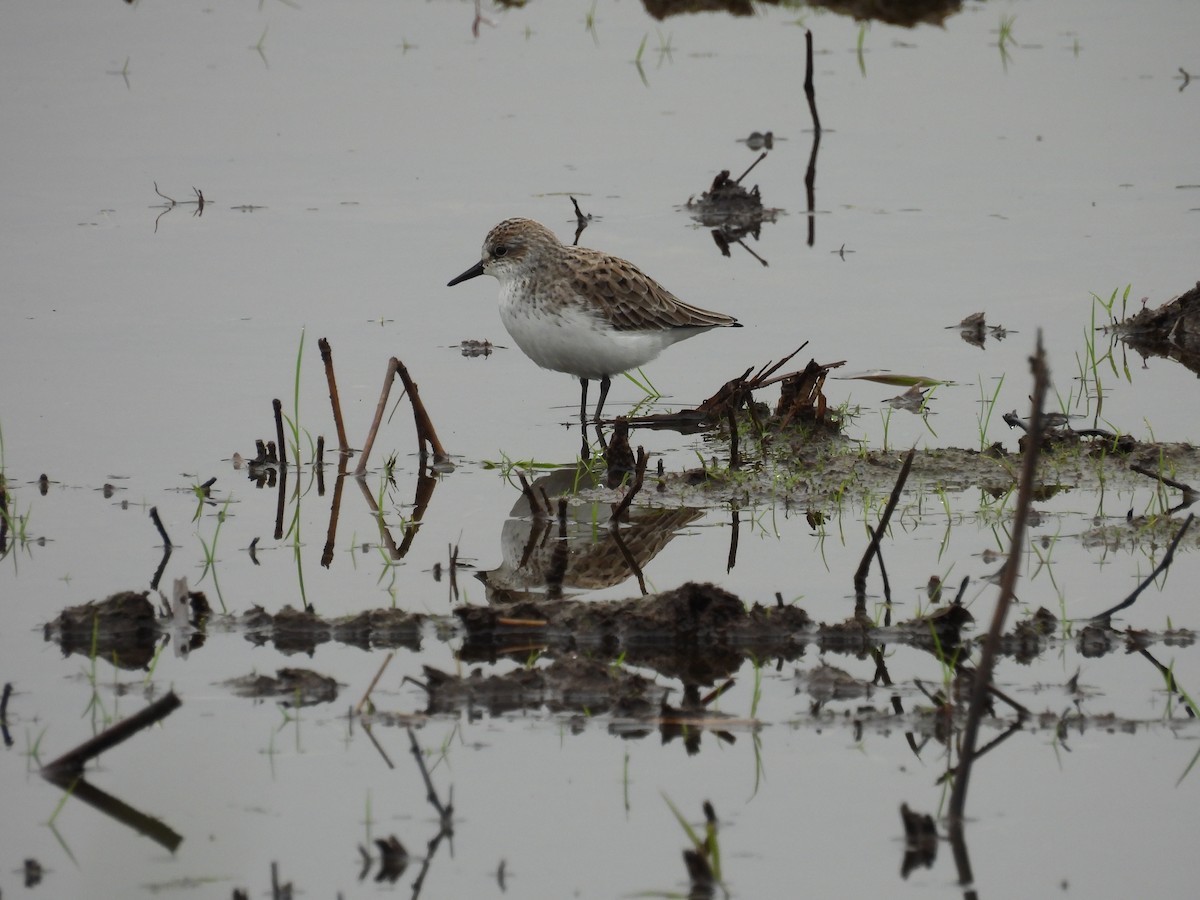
335,507
425,430
384,535
327,358
374,681
421,497
779,378
987,659
860,577
361,468
74,761
768,369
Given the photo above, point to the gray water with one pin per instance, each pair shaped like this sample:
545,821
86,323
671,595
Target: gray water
351,160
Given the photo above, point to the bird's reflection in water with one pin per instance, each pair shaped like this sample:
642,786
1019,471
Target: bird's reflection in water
539,561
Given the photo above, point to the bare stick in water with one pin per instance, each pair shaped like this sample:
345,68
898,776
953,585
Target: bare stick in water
327,358
987,658
74,761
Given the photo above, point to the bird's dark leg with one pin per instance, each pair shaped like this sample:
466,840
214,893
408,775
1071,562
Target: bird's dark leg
583,401
605,384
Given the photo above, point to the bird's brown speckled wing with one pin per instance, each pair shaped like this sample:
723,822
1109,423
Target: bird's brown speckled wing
633,301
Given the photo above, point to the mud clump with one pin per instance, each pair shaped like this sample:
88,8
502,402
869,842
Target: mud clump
291,687
122,628
1171,331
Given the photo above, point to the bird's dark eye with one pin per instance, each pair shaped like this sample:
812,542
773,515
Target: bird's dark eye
500,251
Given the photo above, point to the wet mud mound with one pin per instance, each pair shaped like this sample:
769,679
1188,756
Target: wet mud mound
1171,330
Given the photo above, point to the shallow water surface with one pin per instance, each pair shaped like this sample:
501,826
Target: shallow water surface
351,162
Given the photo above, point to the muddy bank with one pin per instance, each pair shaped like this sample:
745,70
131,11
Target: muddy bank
1171,330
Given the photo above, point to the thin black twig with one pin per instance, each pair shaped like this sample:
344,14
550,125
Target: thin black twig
860,576
810,174
638,478
445,812
810,91
159,525
8,741
1162,566
1189,493
627,555
1169,678
581,220
736,528
74,761
731,415
3,515
277,406
761,157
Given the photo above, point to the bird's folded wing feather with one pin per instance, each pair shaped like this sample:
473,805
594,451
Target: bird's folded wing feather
634,302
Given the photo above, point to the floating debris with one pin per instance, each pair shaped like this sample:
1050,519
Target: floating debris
912,400
33,873
731,209
759,140
920,840
975,330
292,687
473,349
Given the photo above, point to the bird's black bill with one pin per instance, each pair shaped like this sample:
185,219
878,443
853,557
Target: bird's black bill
474,272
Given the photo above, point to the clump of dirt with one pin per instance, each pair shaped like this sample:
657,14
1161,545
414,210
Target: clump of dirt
1171,331
570,684
797,470
291,687
908,14
122,628
126,628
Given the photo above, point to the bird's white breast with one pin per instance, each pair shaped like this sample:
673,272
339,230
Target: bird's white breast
566,337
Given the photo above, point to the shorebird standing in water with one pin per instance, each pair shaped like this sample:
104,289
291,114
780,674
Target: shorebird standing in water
581,311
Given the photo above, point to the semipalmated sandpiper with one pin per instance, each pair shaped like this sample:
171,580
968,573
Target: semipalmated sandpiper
581,311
